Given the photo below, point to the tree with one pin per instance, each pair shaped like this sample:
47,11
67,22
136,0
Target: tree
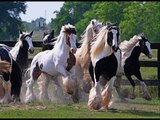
10,21
71,12
141,17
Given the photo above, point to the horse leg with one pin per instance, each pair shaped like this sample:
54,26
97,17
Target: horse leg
146,94
43,83
7,89
133,85
76,85
122,93
95,97
35,73
107,94
2,90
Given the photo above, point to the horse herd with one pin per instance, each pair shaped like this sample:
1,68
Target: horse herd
95,67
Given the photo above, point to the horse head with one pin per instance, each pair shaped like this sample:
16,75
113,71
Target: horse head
27,41
71,37
96,26
145,45
48,37
113,36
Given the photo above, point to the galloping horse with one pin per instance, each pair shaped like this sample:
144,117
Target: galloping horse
83,58
131,51
11,81
54,62
103,63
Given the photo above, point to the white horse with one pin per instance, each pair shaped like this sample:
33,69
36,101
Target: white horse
53,62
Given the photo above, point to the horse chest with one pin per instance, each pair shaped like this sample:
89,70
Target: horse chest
107,66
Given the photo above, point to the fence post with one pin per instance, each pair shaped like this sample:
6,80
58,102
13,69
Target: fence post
158,57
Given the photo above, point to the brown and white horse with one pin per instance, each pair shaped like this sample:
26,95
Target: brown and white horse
53,63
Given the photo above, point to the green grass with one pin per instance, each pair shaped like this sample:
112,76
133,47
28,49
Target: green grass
138,108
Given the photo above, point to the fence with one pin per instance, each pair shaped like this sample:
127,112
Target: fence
143,63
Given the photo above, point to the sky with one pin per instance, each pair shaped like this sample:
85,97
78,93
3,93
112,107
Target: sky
38,9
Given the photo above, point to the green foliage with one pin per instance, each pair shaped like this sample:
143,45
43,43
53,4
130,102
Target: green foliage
71,12
10,21
133,17
141,17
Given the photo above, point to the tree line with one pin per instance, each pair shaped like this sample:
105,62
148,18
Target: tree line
133,17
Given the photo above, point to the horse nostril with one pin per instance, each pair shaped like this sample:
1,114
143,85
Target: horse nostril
31,51
73,50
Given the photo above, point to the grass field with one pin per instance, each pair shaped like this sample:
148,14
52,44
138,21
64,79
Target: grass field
138,108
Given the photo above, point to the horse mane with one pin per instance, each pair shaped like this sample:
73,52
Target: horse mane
15,50
127,46
99,44
86,40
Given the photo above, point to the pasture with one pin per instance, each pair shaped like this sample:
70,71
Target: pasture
138,108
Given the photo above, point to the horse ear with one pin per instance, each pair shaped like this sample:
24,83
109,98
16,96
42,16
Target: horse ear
20,32
31,33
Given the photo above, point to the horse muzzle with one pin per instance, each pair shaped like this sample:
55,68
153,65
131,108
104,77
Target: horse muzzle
31,51
115,48
149,56
73,50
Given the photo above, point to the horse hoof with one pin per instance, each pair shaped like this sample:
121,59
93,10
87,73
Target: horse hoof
147,96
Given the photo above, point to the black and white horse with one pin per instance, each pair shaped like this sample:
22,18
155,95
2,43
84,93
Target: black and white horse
130,64
48,41
10,82
103,63
21,49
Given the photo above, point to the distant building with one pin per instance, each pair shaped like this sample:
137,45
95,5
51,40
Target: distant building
40,22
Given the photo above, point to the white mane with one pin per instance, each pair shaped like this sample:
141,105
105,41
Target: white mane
87,38
14,51
127,47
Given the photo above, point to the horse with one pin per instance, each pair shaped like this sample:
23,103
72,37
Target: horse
103,63
48,41
11,77
53,62
83,56
22,48
130,65
82,59
20,52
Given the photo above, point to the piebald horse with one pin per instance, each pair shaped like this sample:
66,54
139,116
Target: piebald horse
53,62
21,49
103,63
82,57
130,65
10,78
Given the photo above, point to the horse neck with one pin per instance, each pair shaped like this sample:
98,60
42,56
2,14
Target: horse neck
83,53
60,47
86,45
22,57
135,54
